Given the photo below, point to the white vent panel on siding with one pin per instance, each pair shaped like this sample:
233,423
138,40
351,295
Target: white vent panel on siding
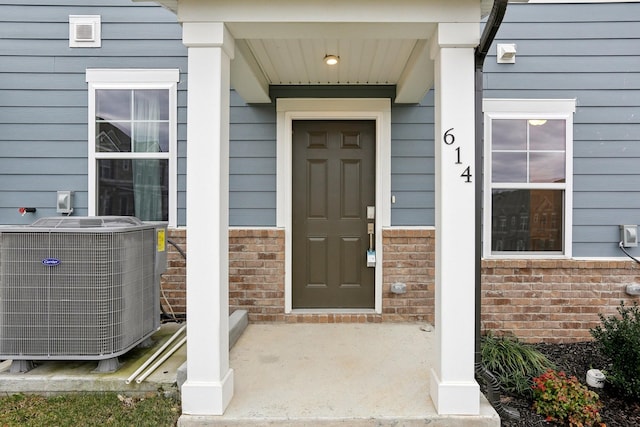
84,31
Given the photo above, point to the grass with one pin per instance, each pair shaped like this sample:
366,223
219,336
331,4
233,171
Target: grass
88,409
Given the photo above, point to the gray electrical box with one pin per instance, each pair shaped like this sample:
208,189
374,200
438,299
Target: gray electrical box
629,235
64,202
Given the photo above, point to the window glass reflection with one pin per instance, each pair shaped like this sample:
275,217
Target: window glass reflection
113,137
509,134
147,124
134,188
113,104
547,134
546,167
509,167
511,229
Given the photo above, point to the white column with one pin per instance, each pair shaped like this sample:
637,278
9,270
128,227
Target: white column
209,385
453,387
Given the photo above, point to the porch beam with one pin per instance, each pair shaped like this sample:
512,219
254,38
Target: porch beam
209,385
248,79
417,78
453,386
400,11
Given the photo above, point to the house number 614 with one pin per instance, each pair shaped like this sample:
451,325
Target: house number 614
449,139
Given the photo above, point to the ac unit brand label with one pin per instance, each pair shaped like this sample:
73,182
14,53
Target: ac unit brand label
51,262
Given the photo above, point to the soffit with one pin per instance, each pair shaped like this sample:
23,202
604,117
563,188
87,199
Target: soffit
283,42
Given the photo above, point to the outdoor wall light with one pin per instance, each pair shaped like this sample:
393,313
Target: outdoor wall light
506,53
331,59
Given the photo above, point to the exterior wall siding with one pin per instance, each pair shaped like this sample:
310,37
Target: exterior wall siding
256,277
43,94
413,164
536,300
590,52
252,164
552,300
409,258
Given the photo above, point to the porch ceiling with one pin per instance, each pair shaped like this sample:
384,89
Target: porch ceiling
284,42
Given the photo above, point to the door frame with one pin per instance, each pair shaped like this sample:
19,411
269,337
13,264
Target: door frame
290,109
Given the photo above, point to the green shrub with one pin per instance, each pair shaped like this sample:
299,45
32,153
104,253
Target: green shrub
565,400
618,338
513,363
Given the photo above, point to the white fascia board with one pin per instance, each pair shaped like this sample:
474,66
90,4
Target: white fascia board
317,11
331,30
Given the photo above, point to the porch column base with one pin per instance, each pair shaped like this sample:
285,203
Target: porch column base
456,397
207,398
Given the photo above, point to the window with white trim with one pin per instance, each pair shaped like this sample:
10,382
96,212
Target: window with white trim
528,177
132,143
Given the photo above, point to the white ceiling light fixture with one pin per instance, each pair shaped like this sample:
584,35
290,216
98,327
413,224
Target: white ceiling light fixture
506,53
331,59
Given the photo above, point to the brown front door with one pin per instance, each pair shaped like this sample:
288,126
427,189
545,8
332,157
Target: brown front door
333,183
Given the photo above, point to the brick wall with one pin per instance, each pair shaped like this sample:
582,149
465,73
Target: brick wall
256,273
256,277
173,283
535,300
552,300
409,257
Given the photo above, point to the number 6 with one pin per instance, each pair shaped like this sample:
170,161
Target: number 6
449,138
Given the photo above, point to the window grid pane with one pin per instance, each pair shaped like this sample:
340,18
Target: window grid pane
526,153
130,123
135,120
528,150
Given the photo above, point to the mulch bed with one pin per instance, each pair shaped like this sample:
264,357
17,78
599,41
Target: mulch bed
576,359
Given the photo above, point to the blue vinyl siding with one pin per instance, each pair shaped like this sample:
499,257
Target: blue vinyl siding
252,164
590,52
43,94
412,164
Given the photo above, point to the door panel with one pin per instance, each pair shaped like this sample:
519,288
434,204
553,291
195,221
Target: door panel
333,183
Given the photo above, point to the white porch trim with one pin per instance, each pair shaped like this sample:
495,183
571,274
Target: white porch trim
209,385
453,386
292,109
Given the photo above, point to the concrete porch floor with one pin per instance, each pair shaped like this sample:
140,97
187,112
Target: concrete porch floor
335,375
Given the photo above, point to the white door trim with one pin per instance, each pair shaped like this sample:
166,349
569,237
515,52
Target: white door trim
290,109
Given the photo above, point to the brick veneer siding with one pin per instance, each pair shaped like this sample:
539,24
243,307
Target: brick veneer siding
173,283
552,300
535,300
256,277
256,273
409,257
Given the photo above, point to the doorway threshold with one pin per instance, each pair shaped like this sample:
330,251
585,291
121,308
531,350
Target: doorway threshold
333,315
333,311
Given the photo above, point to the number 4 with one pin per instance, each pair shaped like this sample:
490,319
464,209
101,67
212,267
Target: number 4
467,174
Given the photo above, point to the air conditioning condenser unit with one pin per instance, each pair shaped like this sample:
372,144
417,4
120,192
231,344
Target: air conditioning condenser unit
79,288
